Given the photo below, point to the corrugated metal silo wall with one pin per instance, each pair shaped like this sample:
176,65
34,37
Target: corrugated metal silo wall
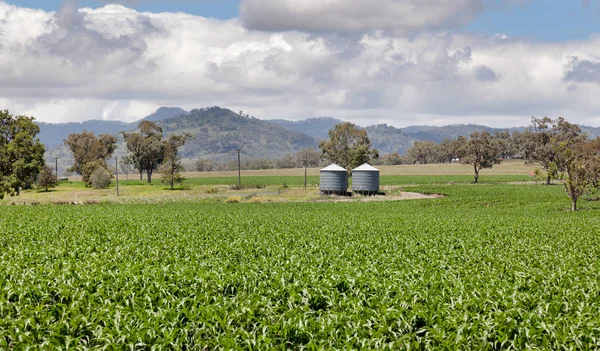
334,182
365,181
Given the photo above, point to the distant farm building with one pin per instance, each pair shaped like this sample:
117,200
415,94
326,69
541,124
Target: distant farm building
334,180
365,180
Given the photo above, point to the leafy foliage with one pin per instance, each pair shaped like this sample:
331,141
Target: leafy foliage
540,142
495,267
90,152
481,151
147,149
100,178
348,146
172,168
21,153
47,178
579,162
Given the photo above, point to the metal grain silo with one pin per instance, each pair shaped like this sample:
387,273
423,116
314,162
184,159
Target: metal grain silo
365,180
334,180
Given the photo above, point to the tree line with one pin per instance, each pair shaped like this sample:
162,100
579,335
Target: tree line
149,151
558,146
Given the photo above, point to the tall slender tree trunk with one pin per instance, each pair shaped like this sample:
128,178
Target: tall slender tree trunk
548,180
141,175
149,176
476,174
573,204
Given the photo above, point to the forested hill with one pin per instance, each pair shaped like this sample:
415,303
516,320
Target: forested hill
317,128
453,131
218,132
53,134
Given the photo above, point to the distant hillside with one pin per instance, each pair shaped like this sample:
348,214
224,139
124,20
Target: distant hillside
438,134
165,113
591,132
388,139
317,128
218,132
52,134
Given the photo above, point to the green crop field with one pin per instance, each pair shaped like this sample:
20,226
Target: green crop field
490,266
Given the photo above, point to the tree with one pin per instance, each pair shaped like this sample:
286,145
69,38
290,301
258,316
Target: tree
146,147
423,151
509,144
481,151
205,165
393,159
47,178
579,162
308,157
90,152
127,165
348,146
257,164
100,178
539,142
449,149
172,168
21,153
286,162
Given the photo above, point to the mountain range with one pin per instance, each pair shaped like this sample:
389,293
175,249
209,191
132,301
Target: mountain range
217,132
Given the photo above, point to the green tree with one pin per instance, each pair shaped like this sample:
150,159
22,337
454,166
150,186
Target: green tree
481,151
393,159
47,178
100,178
90,152
539,142
424,151
449,149
172,167
146,148
579,163
348,146
21,153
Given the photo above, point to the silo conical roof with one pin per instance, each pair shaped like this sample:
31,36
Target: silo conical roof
333,168
366,168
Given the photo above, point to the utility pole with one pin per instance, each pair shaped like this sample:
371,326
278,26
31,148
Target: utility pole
239,167
117,173
305,172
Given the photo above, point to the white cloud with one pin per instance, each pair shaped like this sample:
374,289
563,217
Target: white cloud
117,63
404,16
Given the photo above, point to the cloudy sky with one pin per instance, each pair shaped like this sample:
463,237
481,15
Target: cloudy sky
494,62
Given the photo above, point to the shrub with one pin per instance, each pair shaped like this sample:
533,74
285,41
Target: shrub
47,178
100,179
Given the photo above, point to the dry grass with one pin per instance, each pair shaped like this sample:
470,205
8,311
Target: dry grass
505,168
515,167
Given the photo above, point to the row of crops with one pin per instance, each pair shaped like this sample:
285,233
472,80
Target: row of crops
488,267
